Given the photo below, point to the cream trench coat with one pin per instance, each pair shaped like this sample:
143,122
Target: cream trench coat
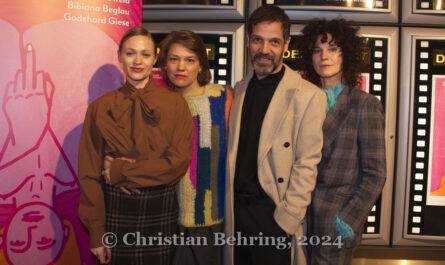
289,150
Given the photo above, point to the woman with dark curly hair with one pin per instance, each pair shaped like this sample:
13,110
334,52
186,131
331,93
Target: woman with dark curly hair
352,171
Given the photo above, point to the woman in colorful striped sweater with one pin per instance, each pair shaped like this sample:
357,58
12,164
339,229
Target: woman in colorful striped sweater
185,67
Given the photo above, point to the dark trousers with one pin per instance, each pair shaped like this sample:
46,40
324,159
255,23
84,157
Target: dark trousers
254,218
209,254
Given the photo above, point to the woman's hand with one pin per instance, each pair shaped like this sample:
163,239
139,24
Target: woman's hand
103,254
106,173
107,165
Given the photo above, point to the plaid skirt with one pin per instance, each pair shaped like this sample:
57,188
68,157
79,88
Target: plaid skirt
152,214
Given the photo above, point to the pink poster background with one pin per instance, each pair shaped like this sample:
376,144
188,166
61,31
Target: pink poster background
365,82
436,180
51,68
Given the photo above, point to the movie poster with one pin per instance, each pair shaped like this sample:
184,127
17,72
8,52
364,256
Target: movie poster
436,169
365,82
57,56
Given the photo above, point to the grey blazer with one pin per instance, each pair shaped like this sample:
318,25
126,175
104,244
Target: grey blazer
352,170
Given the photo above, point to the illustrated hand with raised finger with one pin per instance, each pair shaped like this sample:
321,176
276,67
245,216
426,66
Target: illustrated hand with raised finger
27,107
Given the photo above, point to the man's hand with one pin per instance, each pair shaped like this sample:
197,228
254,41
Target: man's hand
103,254
106,173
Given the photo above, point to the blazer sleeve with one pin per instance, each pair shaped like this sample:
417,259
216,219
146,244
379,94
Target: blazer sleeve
167,169
229,100
290,212
92,206
371,141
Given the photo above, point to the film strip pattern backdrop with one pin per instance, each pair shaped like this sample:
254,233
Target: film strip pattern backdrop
427,188
374,81
436,6
189,2
193,10
219,51
377,4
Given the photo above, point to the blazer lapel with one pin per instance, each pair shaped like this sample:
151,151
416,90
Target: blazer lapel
276,112
336,117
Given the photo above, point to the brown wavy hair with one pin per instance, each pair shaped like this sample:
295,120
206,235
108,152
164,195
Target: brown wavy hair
194,43
344,35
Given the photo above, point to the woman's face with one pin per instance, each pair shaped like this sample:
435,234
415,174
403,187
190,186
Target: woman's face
138,57
327,59
182,66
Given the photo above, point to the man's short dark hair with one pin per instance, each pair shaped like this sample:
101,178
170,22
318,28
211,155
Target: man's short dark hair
269,13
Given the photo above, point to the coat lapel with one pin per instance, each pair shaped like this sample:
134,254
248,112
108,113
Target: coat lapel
235,122
276,112
336,117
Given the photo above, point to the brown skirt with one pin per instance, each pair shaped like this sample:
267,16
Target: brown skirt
140,223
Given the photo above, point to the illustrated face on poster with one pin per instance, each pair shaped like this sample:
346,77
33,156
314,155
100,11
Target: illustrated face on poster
35,233
190,2
219,52
378,4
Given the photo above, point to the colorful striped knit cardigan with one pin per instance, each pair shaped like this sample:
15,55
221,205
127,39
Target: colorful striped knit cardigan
201,190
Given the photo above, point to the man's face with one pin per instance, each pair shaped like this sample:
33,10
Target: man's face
266,48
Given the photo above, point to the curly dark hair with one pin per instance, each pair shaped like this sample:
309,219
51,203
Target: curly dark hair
344,35
194,43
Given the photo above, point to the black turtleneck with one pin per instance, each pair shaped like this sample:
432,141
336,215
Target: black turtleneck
256,101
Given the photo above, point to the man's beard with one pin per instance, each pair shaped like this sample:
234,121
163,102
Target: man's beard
259,68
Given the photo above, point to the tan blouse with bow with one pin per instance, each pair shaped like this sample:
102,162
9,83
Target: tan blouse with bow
151,125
